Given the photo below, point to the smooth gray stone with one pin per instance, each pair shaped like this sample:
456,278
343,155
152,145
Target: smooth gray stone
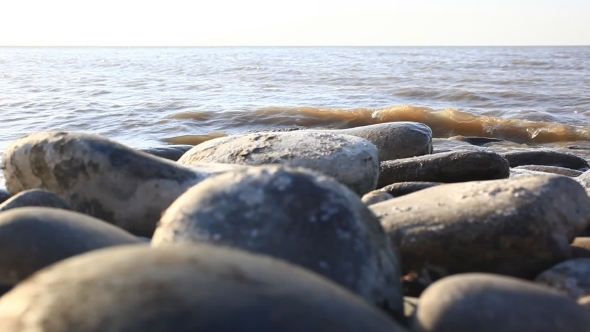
296,215
35,197
375,196
404,188
517,227
170,152
183,289
551,169
351,160
394,140
459,166
571,277
98,177
4,195
492,303
32,238
546,157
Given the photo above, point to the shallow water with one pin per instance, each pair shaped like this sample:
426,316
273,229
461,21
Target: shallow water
152,96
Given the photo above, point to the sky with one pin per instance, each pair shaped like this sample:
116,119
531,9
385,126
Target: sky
293,22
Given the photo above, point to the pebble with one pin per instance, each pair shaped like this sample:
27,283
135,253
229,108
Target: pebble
517,227
491,303
35,197
296,215
351,160
546,157
185,288
571,277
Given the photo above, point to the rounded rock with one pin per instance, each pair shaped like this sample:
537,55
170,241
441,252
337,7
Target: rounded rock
32,238
4,195
351,160
35,197
551,169
170,152
571,277
492,303
296,215
375,196
182,289
546,157
405,188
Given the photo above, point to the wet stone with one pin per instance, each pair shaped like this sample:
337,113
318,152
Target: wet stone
351,160
34,237
99,177
571,277
170,152
192,288
460,166
546,157
404,188
375,196
492,303
551,169
296,215
35,197
517,227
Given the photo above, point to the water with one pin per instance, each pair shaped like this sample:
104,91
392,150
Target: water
152,96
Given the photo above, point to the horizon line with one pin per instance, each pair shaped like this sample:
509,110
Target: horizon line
284,46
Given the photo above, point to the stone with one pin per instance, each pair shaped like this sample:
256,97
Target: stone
580,247
375,196
410,307
517,227
296,215
517,172
476,140
584,179
4,195
546,157
491,303
585,302
35,197
351,160
192,288
404,188
394,140
98,177
460,166
170,152
551,169
571,277
32,238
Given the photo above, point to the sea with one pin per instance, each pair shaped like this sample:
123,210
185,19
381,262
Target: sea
148,97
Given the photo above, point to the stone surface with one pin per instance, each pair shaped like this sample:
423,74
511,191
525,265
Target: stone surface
584,179
571,277
546,157
394,140
351,160
35,197
517,227
170,152
410,307
34,237
295,215
551,169
4,195
182,289
520,172
375,196
476,140
492,303
404,188
460,166
580,247
585,302
99,177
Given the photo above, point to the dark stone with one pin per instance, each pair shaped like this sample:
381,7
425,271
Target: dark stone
476,140
492,303
170,152
517,227
551,169
34,237
4,195
35,197
184,289
571,277
404,188
460,166
546,157
296,215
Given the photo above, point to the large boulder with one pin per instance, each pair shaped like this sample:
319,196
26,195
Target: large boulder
182,289
295,215
516,227
32,238
491,303
351,160
99,177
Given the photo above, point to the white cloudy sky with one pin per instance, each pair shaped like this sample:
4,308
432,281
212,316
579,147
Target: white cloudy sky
294,22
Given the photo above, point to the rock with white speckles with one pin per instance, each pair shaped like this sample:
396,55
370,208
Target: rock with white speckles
351,160
184,289
98,177
294,214
517,227
571,277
